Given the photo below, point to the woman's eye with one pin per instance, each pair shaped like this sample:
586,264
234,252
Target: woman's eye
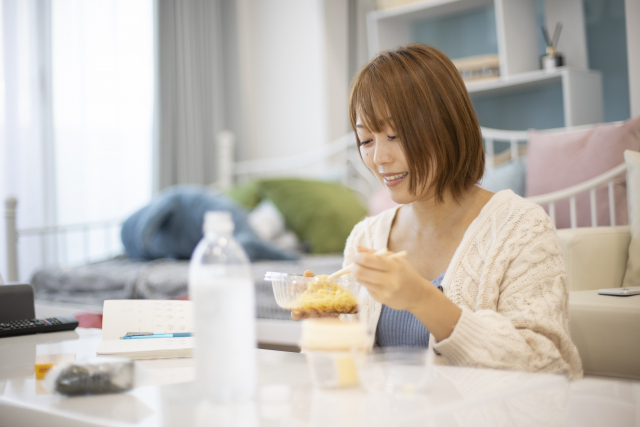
392,137
365,142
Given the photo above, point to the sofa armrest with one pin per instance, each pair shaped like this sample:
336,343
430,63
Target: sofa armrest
595,257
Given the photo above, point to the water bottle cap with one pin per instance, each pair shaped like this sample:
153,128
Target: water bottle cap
218,222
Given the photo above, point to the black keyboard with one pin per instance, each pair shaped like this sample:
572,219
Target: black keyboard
34,326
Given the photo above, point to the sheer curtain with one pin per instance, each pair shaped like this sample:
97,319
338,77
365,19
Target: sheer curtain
102,74
76,88
191,108
25,123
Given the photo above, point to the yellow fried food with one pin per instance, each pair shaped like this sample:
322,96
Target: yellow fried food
326,297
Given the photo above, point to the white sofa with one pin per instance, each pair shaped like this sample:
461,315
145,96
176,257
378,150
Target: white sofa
606,329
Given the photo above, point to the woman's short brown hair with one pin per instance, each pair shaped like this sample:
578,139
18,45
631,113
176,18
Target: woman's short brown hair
418,91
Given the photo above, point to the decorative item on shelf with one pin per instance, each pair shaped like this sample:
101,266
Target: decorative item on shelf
480,67
553,58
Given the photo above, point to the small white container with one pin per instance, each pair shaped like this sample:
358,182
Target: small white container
334,349
397,370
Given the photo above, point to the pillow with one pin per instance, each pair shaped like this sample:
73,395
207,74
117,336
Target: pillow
269,225
170,226
267,221
632,275
510,175
247,195
380,201
321,214
562,159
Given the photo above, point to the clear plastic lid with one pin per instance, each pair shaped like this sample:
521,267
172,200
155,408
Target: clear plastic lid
271,276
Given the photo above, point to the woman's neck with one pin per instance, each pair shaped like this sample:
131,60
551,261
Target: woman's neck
428,214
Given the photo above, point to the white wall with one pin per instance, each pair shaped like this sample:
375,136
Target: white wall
293,67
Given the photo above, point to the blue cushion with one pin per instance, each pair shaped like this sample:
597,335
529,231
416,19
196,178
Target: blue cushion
171,226
509,175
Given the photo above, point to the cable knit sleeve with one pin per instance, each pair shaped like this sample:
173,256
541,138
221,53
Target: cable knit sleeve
510,283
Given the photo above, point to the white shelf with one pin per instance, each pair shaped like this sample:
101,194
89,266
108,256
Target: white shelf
581,91
517,36
528,80
426,9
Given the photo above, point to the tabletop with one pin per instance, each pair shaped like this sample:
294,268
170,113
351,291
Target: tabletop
457,397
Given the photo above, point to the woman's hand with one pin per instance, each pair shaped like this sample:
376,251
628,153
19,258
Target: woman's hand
299,315
393,282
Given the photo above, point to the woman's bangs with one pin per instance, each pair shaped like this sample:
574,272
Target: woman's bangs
371,109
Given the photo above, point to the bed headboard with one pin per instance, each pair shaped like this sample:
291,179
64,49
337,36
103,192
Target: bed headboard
342,161
337,160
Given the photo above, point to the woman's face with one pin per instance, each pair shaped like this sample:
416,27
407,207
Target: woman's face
382,153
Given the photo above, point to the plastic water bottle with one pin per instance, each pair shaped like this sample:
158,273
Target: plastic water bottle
221,287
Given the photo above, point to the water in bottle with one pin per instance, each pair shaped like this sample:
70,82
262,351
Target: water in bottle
221,287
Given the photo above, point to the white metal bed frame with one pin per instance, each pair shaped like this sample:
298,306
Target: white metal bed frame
354,174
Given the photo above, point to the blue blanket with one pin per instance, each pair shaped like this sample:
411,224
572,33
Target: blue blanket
171,226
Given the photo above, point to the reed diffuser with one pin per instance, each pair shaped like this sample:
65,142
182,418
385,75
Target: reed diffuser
553,58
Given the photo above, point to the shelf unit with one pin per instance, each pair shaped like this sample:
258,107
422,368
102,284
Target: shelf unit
581,91
517,40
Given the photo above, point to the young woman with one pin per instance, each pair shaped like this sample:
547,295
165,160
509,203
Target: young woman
483,273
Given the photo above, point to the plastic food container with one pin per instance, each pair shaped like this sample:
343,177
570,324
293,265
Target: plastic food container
334,349
319,295
397,370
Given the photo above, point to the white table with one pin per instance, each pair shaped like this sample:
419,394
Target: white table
458,397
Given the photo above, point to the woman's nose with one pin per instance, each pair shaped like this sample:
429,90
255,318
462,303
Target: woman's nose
381,155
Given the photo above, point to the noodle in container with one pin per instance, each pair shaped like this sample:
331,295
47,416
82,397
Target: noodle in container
315,294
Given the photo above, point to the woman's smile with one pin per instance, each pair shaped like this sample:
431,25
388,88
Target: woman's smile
394,179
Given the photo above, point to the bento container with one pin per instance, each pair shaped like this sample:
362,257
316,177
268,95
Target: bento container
288,289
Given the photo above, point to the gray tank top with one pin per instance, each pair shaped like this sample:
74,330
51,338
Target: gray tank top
400,328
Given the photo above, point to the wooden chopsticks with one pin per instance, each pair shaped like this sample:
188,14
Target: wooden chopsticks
348,268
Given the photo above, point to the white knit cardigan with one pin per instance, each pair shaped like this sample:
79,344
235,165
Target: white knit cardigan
509,279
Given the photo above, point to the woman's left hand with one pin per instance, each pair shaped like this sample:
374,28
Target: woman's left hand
393,282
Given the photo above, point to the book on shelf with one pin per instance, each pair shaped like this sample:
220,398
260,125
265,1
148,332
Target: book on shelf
479,67
120,317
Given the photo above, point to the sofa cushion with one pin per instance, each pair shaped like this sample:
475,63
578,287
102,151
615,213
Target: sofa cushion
321,214
507,176
595,257
605,331
558,160
632,275
380,201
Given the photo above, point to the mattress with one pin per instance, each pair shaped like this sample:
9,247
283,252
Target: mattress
126,278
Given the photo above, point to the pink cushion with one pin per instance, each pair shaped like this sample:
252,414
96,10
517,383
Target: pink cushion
563,159
380,201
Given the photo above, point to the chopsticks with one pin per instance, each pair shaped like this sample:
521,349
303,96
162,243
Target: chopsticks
348,268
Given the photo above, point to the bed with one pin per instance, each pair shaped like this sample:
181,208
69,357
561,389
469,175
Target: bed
121,277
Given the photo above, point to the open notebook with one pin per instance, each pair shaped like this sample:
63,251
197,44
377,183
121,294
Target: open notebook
157,316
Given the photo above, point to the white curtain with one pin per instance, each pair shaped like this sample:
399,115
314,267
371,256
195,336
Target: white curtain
76,85
25,123
190,94
103,83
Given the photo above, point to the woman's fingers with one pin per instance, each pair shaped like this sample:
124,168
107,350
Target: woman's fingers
374,262
365,275
299,315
